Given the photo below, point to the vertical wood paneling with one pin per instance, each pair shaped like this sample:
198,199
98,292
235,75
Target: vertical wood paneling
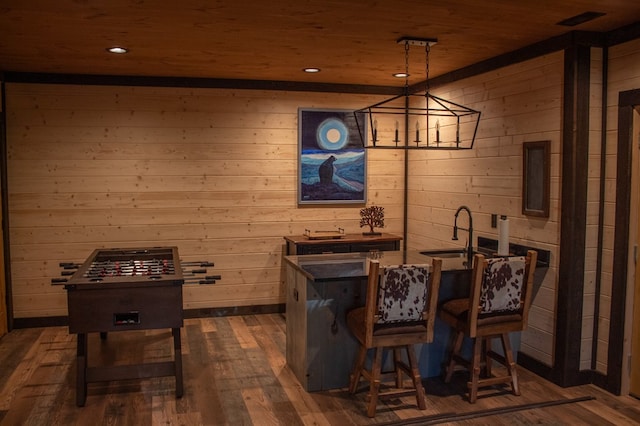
518,103
211,171
623,75
593,214
3,285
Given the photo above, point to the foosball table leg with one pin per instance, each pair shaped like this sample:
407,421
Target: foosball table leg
177,350
81,375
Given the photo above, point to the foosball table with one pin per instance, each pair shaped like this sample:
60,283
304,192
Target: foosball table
127,289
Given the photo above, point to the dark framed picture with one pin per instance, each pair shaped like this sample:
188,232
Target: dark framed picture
332,164
536,178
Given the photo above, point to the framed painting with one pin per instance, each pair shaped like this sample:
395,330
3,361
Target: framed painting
331,159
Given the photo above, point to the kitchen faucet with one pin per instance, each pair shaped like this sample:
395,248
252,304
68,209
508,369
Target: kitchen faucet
469,249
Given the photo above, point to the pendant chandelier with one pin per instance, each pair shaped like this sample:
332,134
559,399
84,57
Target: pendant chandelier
417,120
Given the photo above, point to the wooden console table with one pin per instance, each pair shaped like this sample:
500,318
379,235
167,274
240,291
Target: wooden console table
349,243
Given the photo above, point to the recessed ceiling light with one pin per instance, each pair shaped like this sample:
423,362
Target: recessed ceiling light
118,50
311,70
401,75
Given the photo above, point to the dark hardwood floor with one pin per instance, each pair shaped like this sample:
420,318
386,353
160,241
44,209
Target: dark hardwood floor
235,374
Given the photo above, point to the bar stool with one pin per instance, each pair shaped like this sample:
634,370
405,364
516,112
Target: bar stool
399,312
498,304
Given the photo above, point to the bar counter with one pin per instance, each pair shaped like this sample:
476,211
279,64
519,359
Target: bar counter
321,289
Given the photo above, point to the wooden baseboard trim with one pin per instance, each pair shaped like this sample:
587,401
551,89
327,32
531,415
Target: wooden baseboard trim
234,310
58,321
535,366
35,322
553,375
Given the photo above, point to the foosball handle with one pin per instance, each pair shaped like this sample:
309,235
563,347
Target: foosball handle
70,266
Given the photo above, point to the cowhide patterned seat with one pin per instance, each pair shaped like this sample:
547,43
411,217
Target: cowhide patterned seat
497,305
399,311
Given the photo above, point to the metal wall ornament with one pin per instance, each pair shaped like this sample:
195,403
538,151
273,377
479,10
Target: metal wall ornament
372,216
417,120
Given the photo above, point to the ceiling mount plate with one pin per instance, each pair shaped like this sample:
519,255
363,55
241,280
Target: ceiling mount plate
414,41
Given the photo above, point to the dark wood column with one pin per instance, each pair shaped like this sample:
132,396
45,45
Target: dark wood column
4,205
575,155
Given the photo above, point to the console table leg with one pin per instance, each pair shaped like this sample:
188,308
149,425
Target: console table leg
81,374
177,349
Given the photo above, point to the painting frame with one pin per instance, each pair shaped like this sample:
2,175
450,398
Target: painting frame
536,180
332,161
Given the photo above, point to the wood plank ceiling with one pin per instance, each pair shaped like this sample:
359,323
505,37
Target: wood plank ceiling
352,41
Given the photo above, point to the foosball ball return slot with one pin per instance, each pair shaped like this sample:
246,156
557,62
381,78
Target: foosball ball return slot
126,318
128,289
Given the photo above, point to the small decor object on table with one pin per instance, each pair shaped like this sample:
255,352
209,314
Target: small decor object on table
324,235
372,216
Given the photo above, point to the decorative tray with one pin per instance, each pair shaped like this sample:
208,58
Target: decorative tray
324,235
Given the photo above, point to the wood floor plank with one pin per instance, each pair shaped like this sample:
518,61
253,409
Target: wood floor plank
303,403
610,413
244,336
199,369
229,378
236,374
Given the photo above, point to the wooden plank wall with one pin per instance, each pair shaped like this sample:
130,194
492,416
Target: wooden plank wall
213,172
623,75
519,103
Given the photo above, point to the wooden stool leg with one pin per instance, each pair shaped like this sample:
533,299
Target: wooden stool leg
357,369
397,362
374,382
457,346
486,357
511,364
475,369
415,377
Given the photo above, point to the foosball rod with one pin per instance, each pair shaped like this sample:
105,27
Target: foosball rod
131,269
206,277
200,282
200,263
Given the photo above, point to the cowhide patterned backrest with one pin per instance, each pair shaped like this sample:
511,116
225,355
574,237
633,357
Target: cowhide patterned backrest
403,293
502,285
